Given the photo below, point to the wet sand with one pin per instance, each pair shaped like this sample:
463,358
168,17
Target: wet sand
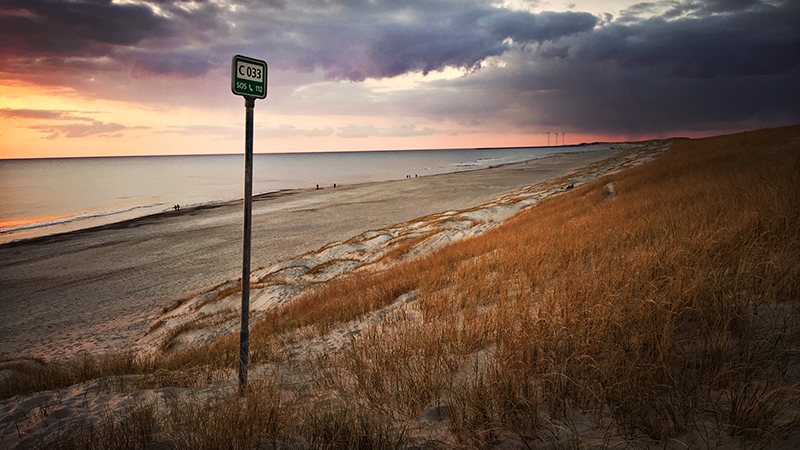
98,290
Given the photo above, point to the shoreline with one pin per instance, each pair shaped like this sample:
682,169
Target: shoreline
93,219
99,289
141,220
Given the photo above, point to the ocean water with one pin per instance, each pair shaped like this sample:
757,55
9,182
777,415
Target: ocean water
40,197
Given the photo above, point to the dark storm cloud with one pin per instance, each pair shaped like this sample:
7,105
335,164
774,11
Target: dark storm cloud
463,40
663,65
185,64
359,40
58,27
762,41
52,35
350,40
722,64
735,69
709,7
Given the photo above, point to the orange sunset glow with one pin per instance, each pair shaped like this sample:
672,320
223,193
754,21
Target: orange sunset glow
151,79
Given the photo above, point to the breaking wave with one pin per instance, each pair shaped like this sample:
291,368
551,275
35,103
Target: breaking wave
76,218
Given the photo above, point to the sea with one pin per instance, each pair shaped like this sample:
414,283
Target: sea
40,197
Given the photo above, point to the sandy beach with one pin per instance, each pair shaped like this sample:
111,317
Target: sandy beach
98,290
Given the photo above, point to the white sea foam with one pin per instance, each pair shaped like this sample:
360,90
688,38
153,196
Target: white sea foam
81,216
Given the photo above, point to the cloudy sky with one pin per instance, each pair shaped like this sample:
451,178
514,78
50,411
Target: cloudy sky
140,77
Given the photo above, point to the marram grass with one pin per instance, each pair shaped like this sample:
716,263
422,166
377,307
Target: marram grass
655,306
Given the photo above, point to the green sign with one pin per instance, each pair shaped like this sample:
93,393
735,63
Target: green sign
249,77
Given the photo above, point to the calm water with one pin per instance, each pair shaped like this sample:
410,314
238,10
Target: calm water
48,196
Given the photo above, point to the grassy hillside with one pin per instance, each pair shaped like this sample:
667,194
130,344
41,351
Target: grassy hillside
657,307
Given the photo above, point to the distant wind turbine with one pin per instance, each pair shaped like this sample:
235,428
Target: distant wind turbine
548,139
563,142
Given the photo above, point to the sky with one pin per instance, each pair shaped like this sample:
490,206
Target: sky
152,77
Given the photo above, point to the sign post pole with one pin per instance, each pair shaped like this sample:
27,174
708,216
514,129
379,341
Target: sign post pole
244,334
248,79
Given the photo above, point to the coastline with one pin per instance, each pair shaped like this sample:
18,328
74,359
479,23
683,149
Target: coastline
57,204
141,220
99,289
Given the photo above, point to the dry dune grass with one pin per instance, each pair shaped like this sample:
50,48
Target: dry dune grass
655,307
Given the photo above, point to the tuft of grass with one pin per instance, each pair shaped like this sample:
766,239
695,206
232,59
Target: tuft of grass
226,420
133,429
203,322
23,378
404,246
330,263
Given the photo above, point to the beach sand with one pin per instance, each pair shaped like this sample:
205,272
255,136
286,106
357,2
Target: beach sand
98,290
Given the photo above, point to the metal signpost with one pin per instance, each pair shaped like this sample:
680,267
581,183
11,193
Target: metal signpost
248,79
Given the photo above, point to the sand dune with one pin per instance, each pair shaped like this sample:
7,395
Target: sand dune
277,284
99,290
